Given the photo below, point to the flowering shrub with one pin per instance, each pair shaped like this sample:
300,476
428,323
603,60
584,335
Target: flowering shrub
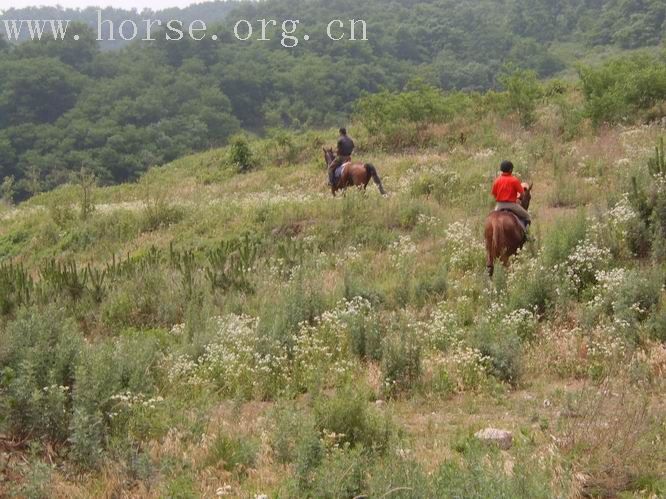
321,354
606,289
464,250
621,216
463,369
584,262
576,352
502,349
627,296
134,414
240,362
402,252
522,322
441,331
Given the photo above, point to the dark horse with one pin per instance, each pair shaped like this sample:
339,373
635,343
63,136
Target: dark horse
353,174
505,234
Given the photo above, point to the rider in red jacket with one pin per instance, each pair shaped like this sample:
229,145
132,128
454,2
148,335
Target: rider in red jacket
506,190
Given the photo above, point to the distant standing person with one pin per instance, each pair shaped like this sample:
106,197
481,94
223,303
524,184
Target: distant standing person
344,153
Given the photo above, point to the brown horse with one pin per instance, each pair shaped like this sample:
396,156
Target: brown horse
354,174
504,233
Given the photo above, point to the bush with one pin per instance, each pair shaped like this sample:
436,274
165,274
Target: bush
37,484
341,474
401,119
534,291
348,416
524,91
401,361
113,380
649,202
365,335
158,214
561,240
481,475
440,186
620,88
291,427
503,349
38,356
300,301
237,454
656,326
240,155
144,299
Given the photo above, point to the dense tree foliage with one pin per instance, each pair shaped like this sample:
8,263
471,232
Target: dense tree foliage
67,104
623,87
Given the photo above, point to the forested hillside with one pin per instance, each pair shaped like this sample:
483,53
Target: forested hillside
67,105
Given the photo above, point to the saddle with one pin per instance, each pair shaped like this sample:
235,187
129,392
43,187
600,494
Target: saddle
523,223
337,175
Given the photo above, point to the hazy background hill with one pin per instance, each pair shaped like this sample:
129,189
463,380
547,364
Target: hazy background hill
67,105
209,11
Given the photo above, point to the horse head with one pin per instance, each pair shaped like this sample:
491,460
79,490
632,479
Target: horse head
329,155
526,196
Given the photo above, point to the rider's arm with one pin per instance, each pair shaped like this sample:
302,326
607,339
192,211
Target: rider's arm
519,185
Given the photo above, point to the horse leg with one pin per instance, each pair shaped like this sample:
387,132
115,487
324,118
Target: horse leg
490,262
490,251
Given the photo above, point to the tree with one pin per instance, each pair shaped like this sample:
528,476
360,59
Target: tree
523,90
37,90
75,53
240,154
7,190
86,181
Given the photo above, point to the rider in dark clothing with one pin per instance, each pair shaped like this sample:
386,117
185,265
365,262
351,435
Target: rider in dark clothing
344,152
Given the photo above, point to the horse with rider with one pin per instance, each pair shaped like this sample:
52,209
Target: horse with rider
343,172
506,227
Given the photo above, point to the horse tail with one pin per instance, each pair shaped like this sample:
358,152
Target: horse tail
493,244
372,172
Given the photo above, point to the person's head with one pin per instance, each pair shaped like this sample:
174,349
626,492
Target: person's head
343,131
506,167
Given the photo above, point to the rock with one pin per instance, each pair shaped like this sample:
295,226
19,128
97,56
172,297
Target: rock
502,438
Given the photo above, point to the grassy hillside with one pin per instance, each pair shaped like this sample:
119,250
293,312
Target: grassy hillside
225,333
